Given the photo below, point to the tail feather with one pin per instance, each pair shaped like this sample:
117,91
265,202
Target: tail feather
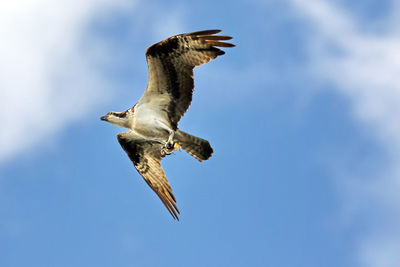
197,147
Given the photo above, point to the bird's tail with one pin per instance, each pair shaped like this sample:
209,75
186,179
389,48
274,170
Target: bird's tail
198,148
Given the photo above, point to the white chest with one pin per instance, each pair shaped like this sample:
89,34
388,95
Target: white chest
150,118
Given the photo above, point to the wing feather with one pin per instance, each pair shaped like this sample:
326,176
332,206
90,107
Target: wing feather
171,62
206,32
217,37
146,157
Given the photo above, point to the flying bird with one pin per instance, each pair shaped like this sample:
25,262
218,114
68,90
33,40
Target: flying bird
153,121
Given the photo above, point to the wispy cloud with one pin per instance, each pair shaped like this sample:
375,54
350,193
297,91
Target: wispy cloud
48,78
364,66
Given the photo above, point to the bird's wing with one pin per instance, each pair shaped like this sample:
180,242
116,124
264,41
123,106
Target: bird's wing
170,65
146,156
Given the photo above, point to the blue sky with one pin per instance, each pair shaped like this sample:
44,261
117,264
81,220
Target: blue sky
302,116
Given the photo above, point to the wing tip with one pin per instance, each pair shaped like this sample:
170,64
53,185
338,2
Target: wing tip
219,44
205,32
172,208
217,40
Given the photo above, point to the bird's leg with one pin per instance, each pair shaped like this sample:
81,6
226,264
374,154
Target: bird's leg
170,142
170,145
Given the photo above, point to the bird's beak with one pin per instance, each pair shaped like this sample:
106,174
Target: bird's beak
104,118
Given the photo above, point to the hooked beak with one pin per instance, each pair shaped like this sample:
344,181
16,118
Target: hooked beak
104,118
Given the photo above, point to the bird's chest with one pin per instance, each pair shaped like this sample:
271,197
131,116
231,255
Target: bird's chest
150,121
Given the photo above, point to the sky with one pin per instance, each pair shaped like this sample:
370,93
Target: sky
303,116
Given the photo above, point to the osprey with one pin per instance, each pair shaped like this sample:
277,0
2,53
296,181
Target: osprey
153,121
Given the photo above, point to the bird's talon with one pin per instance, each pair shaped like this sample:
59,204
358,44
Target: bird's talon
169,147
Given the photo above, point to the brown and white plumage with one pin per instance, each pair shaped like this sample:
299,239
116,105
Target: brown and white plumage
171,62
153,121
146,156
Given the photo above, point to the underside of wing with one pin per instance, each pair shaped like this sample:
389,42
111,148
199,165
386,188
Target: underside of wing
171,62
146,157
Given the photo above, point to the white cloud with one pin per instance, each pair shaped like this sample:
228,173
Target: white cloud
46,78
365,67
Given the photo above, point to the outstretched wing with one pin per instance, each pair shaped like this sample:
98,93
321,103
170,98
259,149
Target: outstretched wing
146,156
171,62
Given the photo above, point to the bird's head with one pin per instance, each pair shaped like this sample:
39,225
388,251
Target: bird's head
117,118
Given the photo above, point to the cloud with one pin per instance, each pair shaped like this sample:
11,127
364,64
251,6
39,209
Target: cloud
364,65
48,78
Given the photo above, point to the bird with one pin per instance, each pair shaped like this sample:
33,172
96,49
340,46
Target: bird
152,122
